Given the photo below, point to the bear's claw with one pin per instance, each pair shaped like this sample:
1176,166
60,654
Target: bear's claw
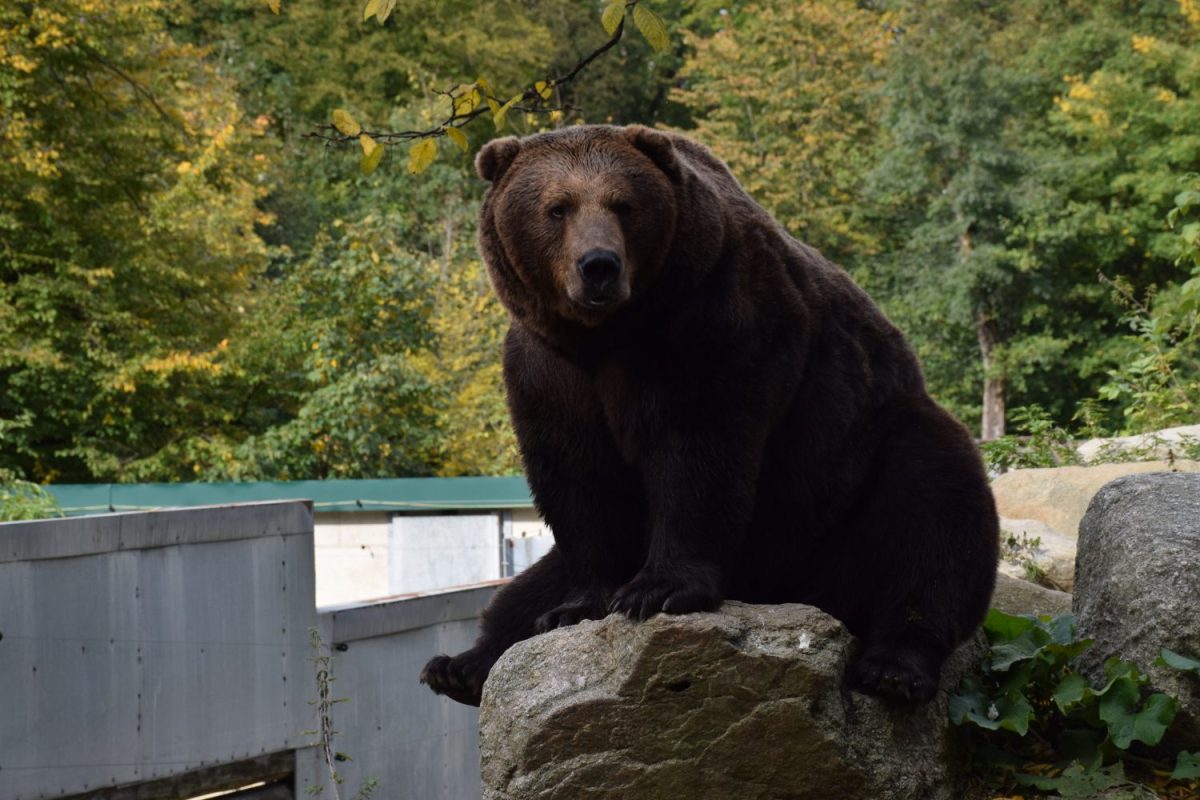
897,676
571,613
460,677
649,593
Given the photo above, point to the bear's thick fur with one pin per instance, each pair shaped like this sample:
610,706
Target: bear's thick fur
707,408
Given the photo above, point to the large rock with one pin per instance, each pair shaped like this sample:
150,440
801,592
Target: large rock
1017,596
746,703
1137,583
1026,542
1059,496
1166,443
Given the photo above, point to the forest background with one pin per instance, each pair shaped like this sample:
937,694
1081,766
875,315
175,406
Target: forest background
191,288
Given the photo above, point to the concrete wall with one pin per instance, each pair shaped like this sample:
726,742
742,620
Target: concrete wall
436,551
414,743
351,556
372,555
137,646
526,522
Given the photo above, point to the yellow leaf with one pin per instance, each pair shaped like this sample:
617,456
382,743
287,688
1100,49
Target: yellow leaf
489,95
543,88
385,10
345,123
421,155
466,100
614,12
652,27
371,9
274,5
371,157
458,137
498,114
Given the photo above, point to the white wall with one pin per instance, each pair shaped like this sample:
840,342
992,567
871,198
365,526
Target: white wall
527,522
351,556
437,551
369,555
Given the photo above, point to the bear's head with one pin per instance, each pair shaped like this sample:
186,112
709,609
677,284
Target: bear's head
578,222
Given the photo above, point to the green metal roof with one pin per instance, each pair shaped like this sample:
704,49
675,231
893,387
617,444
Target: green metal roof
388,494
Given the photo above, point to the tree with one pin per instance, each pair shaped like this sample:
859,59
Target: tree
1133,122
550,92
950,175
128,233
783,93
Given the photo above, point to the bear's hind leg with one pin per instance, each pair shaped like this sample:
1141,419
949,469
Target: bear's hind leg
928,538
904,668
508,619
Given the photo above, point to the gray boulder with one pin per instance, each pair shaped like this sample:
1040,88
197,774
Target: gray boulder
747,703
1164,444
1016,596
1031,542
1059,496
1137,583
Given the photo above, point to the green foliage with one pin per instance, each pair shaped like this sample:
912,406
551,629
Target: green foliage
329,356
322,659
21,500
1157,381
128,233
1030,718
171,246
799,133
1042,443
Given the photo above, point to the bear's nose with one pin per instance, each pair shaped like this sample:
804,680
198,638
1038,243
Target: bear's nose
599,269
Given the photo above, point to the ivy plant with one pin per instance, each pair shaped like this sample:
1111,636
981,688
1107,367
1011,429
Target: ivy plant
1029,717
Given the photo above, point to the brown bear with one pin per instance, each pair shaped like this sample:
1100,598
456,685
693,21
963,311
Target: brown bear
707,408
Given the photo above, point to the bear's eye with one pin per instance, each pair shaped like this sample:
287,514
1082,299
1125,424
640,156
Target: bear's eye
621,208
558,211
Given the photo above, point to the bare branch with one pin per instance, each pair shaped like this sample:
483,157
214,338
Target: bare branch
332,136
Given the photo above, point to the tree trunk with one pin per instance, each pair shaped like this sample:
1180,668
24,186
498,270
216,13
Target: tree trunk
993,380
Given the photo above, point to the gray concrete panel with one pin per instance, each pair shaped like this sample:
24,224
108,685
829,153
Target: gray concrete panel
397,616
433,552
414,743
146,645
107,533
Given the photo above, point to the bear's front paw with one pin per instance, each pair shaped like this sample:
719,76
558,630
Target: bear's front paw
591,604
679,592
904,674
460,678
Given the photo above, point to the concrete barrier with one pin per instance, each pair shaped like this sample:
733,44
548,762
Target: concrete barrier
137,647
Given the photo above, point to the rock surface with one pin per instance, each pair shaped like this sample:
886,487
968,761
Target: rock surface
1032,540
1059,496
1017,596
1157,444
745,703
1137,583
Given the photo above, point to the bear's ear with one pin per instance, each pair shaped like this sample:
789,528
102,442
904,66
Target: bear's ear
656,145
496,157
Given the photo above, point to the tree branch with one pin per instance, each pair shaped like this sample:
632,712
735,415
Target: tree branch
137,87
332,136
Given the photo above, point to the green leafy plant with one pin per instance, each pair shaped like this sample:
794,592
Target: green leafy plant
1043,443
20,500
1030,718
